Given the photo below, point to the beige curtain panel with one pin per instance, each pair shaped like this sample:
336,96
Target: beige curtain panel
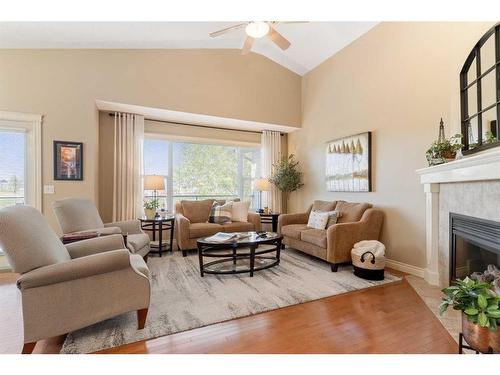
127,178
271,153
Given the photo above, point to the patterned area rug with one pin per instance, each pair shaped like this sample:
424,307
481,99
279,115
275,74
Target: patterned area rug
182,300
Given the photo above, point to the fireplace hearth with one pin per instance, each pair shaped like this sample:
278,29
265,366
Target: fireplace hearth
475,249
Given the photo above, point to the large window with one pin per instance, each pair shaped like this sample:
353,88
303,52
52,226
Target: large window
12,167
195,171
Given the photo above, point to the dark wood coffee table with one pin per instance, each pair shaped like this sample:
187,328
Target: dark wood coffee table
257,252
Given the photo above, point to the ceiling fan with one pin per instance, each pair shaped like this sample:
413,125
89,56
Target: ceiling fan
256,30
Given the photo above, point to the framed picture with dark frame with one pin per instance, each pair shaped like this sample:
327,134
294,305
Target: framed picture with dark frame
348,163
68,161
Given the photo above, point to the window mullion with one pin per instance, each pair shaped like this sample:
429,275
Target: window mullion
170,177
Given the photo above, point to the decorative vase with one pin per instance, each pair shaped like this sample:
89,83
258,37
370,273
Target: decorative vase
163,214
150,213
480,338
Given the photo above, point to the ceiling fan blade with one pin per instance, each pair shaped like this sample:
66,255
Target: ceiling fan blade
227,29
278,39
247,46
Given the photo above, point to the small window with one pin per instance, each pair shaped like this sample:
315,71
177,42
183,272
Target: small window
12,167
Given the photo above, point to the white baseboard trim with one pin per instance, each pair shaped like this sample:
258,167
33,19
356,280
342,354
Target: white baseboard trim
404,267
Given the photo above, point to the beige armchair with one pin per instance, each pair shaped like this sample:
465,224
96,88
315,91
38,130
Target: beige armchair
76,215
358,221
65,288
191,223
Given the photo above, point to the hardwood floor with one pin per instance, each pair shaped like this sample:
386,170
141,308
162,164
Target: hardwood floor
386,319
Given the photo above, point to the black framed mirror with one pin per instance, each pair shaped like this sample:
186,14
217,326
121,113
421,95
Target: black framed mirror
480,94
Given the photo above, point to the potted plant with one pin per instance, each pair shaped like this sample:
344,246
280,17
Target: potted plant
443,151
480,312
286,175
150,207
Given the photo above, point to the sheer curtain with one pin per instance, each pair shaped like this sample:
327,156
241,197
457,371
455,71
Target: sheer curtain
127,178
271,153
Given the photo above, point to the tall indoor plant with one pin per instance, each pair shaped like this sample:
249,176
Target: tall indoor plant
480,312
286,176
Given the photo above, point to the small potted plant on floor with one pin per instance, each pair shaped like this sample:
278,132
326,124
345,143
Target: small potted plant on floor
150,207
480,312
444,151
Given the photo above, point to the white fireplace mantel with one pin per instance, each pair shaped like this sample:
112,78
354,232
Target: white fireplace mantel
481,167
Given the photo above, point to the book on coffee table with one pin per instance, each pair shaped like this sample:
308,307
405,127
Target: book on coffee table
222,237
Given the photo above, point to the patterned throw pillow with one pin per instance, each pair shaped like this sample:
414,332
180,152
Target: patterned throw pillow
221,214
318,219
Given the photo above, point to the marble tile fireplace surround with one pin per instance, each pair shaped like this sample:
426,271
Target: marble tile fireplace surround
469,186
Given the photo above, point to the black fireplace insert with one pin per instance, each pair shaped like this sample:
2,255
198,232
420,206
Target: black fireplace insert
474,246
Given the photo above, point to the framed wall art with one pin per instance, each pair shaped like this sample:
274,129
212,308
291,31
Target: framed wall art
68,161
348,164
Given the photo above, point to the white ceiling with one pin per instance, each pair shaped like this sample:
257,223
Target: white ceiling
312,43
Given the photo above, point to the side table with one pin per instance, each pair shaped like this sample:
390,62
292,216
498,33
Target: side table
159,224
270,219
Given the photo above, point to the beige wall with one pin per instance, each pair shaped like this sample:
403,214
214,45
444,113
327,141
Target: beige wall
64,84
396,81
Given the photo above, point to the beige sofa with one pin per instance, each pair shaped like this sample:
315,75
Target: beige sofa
65,288
358,221
191,223
78,215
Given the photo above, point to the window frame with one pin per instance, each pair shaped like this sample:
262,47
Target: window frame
171,139
31,125
475,55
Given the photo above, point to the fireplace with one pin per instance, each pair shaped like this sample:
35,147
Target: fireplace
474,249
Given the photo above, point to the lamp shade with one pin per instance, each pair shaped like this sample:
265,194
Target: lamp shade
262,184
154,182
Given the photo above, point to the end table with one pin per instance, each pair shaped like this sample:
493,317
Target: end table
159,224
270,219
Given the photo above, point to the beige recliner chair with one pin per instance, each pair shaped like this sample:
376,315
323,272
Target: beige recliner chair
65,288
76,215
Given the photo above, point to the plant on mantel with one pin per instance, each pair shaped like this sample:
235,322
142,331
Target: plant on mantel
442,151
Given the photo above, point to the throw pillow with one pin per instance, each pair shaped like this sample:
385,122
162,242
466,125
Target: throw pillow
333,218
318,219
240,211
221,213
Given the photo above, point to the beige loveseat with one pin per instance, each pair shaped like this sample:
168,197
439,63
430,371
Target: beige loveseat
358,221
191,223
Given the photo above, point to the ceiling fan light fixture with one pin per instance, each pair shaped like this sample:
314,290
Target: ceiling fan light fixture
257,29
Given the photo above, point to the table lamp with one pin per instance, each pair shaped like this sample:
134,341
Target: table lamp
261,184
154,183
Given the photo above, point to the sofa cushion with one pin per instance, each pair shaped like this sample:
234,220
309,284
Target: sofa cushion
240,211
197,230
351,212
221,213
238,226
293,230
323,205
315,236
136,242
197,211
318,219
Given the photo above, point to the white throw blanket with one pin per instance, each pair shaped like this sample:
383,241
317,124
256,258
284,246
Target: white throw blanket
376,247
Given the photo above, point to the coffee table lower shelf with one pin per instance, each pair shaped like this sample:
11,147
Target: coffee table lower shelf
236,259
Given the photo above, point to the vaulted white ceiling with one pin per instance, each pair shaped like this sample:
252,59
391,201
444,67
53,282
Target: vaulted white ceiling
312,43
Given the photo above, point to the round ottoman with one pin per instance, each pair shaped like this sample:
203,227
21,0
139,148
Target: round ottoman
368,259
